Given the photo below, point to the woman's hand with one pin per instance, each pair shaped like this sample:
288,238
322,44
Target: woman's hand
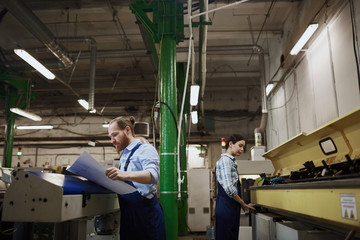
247,207
116,174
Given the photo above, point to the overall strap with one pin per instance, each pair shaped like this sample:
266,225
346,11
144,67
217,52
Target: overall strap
132,152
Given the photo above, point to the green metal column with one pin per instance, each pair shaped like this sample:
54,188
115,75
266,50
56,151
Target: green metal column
168,173
166,27
10,119
183,203
168,130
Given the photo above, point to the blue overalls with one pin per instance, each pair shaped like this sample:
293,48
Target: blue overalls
141,218
227,214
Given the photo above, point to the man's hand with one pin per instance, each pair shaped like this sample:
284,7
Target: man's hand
134,176
116,174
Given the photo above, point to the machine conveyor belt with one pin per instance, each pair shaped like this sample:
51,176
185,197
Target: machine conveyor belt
328,184
72,184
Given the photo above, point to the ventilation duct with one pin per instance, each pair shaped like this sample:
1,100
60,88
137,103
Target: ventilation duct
93,47
33,24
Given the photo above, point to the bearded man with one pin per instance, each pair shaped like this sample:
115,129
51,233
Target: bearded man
141,214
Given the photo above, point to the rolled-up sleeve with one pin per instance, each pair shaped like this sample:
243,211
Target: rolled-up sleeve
150,161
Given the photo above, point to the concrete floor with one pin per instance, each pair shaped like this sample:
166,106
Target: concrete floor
200,236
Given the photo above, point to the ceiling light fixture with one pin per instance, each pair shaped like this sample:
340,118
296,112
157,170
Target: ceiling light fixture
84,103
269,87
34,63
304,38
194,94
34,127
194,117
105,125
26,114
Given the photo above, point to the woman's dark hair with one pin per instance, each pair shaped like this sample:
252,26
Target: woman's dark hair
122,122
234,139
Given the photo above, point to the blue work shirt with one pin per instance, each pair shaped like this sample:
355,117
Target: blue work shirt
144,158
227,175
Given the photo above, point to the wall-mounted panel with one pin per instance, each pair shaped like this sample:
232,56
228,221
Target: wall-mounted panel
278,128
292,111
347,87
305,97
272,134
323,80
280,113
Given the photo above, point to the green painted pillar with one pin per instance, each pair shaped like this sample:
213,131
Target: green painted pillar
168,137
183,203
10,119
168,111
168,129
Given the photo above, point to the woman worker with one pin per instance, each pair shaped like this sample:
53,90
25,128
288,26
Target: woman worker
228,201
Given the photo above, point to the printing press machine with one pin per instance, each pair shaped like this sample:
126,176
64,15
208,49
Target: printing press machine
317,177
65,200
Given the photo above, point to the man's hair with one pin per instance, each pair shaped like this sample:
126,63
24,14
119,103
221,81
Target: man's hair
122,122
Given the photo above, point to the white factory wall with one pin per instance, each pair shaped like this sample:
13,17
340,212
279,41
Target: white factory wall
55,146
59,156
58,149
322,87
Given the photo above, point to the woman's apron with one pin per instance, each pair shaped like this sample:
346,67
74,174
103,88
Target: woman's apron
227,215
141,218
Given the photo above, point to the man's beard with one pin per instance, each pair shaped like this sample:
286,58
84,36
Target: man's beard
124,142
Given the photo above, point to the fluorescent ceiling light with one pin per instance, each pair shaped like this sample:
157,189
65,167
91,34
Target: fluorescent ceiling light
26,114
83,103
304,38
194,117
194,94
105,125
269,88
34,127
34,63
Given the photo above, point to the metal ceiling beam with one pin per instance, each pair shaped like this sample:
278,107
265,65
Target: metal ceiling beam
125,98
33,24
71,4
53,64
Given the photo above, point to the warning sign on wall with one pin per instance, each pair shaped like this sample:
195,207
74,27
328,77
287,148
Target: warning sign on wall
348,206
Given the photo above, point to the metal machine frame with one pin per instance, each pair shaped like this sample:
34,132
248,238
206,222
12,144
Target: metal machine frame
68,201
332,200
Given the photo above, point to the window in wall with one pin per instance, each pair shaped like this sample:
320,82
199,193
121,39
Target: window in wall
196,155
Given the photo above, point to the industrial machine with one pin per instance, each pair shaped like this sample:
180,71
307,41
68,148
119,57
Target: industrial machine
35,197
317,177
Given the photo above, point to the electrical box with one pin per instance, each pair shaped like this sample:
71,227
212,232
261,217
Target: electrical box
199,199
257,152
141,129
